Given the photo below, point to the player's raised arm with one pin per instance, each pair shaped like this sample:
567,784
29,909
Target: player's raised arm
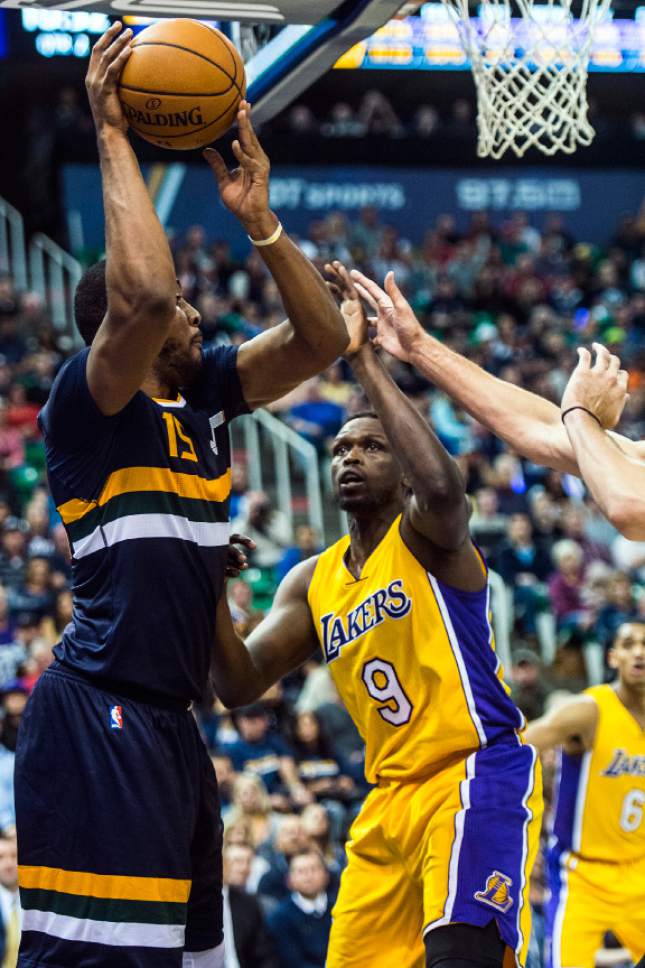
243,670
572,725
438,510
140,276
528,423
314,335
617,482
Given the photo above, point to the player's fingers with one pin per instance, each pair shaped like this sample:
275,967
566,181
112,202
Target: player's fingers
368,284
106,39
584,358
603,357
345,276
245,160
113,72
366,295
217,164
242,539
623,379
335,291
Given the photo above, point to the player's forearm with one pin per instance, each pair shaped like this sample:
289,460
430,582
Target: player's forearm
314,319
236,679
432,473
140,268
616,482
527,422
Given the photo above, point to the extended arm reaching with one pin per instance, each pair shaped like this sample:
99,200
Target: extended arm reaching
243,670
571,725
528,423
314,334
438,510
140,276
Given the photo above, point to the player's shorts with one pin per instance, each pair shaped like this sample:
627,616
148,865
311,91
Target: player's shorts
457,846
119,833
589,898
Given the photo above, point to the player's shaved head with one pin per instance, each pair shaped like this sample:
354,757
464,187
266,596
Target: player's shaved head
90,301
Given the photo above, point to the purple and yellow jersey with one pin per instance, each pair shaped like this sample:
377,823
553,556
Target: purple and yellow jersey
600,796
413,660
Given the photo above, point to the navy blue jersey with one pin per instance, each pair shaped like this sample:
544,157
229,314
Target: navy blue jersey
261,758
144,497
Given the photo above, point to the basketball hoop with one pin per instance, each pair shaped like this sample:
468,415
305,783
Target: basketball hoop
530,72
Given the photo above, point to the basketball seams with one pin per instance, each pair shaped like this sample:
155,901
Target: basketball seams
145,90
165,43
224,41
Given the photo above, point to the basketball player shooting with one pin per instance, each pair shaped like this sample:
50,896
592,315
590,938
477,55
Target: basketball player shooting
440,854
116,799
576,438
596,857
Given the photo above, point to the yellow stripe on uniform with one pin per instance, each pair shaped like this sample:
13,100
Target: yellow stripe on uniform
130,479
112,886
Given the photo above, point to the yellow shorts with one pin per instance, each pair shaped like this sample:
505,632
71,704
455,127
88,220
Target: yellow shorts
454,847
589,898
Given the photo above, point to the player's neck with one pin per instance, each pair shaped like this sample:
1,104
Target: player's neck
366,533
158,388
633,699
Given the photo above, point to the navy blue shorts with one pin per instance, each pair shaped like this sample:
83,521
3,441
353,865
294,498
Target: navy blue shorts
119,830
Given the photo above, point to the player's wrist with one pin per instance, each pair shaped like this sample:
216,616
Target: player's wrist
261,227
578,412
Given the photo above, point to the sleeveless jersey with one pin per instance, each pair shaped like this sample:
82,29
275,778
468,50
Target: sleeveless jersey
600,799
144,497
413,660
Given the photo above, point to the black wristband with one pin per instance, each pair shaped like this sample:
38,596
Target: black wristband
565,412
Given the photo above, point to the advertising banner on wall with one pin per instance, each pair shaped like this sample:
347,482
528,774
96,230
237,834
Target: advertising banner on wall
591,202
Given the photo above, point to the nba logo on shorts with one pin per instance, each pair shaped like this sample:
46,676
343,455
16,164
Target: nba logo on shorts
116,717
497,892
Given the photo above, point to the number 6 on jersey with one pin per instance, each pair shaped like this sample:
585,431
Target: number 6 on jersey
382,683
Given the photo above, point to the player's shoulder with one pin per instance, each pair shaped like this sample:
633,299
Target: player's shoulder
297,581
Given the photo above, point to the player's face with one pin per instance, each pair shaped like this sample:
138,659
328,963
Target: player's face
364,471
181,355
627,655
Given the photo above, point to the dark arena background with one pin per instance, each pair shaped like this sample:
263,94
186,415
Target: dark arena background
369,117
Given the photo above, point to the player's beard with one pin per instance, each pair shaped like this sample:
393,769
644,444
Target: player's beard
177,365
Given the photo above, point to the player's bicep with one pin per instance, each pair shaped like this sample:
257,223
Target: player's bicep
272,364
286,637
123,351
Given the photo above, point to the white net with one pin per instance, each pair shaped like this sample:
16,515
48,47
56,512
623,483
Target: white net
530,72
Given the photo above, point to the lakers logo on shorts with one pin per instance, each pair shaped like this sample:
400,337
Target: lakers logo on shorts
497,892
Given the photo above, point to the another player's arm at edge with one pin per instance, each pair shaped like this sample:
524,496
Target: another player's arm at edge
572,726
140,275
243,670
529,424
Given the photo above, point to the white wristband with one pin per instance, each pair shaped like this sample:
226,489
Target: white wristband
272,238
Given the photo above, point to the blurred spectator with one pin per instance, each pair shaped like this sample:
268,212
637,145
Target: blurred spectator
13,702
289,840
7,622
378,116
620,607
317,827
307,544
487,525
315,418
10,913
565,590
343,123
247,942
320,770
301,924
528,689
426,121
267,526
13,553
251,803
573,523
267,755
240,599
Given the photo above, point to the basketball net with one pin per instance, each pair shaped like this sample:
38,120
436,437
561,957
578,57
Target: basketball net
530,73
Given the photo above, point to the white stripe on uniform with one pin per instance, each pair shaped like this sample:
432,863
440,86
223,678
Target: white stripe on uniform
115,934
206,534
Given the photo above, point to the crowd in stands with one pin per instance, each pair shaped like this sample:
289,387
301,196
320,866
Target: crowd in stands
516,300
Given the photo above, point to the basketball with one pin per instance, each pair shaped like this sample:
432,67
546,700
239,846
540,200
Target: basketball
182,84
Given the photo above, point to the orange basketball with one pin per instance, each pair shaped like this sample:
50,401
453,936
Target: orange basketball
182,84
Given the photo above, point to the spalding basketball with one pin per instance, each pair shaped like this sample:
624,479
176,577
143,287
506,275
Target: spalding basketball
182,84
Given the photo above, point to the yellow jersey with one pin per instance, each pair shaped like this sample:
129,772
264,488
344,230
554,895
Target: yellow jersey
413,660
600,795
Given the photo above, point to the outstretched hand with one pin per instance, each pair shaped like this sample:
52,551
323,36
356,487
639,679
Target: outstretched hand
601,388
236,560
109,56
244,191
344,291
397,328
